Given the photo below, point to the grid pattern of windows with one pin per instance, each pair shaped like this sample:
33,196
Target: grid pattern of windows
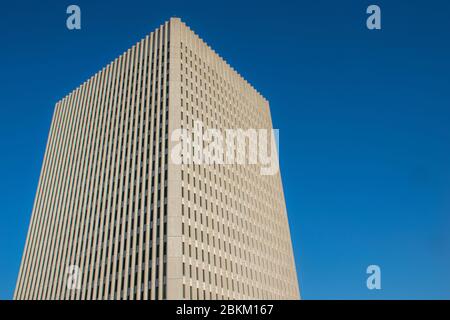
235,234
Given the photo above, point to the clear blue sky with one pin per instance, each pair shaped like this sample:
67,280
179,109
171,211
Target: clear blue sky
364,119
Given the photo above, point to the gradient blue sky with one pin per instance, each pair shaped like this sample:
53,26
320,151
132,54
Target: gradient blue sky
364,119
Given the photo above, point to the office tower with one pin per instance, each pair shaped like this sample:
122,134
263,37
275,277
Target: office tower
115,218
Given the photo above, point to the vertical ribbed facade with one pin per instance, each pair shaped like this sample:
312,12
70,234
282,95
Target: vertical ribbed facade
137,226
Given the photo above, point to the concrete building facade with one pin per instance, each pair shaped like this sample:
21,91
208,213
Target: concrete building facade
115,218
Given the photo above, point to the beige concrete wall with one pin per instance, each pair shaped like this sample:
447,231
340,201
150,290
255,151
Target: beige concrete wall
94,207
